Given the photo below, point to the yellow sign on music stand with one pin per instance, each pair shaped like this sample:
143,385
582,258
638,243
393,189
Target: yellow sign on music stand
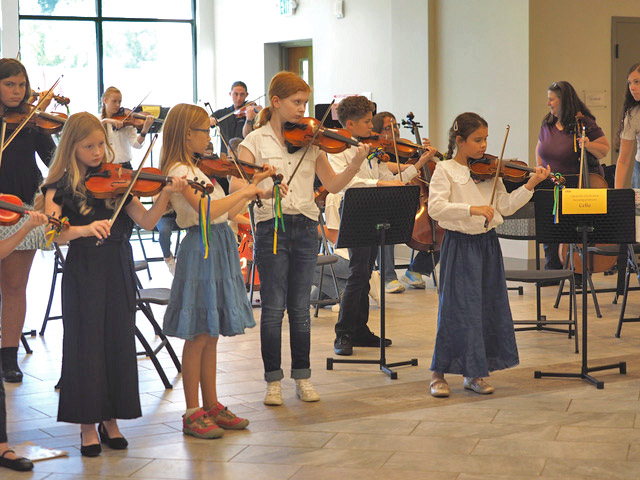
584,201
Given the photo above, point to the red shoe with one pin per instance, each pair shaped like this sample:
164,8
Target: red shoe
201,425
225,419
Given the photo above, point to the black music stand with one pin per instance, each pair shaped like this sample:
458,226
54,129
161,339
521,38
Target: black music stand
378,216
612,227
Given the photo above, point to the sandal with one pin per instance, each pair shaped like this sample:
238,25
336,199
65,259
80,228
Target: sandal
439,388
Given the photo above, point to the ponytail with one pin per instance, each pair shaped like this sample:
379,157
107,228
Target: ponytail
263,117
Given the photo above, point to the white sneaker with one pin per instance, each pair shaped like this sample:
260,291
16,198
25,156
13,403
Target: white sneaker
171,265
394,286
374,286
274,393
305,391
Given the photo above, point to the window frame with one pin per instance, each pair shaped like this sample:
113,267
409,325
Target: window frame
99,20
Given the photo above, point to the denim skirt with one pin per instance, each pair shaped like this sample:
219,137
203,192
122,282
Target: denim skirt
208,295
475,328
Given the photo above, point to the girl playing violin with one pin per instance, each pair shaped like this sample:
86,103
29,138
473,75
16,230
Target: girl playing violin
208,296
475,329
286,268
99,372
8,457
19,176
121,137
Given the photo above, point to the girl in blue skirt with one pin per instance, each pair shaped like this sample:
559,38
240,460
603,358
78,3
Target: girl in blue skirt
475,329
208,295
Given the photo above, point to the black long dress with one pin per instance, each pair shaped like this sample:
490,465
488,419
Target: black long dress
99,368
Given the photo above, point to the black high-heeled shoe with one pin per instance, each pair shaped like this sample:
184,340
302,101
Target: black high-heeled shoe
90,450
19,464
116,443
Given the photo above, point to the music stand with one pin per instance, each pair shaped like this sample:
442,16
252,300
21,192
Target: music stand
612,227
378,216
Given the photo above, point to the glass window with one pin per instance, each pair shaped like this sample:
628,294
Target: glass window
149,57
75,8
174,9
48,51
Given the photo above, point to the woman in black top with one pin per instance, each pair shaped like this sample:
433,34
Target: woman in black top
20,176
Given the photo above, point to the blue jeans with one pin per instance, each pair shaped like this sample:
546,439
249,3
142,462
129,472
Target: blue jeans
635,179
165,226
389,263
285,282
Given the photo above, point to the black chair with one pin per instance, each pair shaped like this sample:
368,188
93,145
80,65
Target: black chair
521,226
58,264
631,267
145,298
325,258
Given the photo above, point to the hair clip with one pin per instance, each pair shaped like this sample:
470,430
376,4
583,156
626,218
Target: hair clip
455,126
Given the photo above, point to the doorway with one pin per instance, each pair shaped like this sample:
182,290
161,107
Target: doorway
295,56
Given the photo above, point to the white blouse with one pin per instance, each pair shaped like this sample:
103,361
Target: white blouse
121,142
186,216
267,149
452,193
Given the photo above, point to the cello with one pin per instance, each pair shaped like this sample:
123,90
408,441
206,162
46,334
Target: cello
595,263
427,235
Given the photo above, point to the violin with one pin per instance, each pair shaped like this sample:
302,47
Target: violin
320,195
406,148
134,119
12,210
245,252
242,111
222,166
58,98
330,140
511,170
112,180
43,122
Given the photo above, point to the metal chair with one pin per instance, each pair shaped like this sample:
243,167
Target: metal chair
521,226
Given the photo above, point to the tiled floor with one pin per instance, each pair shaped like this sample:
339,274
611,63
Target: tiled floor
366,426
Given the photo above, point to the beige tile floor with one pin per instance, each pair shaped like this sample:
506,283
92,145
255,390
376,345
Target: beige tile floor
366,426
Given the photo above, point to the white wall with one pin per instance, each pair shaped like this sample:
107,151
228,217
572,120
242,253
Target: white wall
351,55
479,61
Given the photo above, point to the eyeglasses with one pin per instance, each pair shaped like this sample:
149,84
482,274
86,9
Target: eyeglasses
201,130
388,127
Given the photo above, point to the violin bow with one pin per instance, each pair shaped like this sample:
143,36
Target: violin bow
581,158
31,114
116,212
315,135
3,130
234,157
498,166
248,102
134,108
395,149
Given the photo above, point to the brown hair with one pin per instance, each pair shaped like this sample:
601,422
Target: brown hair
77,127
107,93
283,85
378,120
463,126
180,119
10,67
354,108
629,103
